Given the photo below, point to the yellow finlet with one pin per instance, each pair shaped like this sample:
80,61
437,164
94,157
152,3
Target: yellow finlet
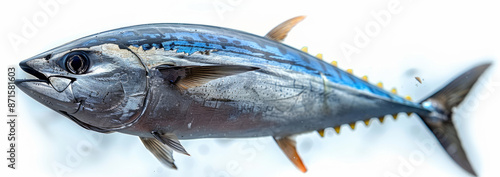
304,49
409,114
337,129
380,85
353,125
365,78
321,132
367,122
349,71
319,56
408,98
394,91
381,119
334,63
395,116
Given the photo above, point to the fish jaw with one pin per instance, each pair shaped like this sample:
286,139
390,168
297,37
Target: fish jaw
43,89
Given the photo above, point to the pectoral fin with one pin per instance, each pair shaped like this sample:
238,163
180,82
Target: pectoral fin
287,145
279,32
171,141
162,152
186,77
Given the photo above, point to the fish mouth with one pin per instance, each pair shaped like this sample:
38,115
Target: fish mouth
26,68
54,92
59,83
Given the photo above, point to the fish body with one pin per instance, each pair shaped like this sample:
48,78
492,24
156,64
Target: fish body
285,96
165,82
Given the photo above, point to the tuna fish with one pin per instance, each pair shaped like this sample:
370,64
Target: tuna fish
166,82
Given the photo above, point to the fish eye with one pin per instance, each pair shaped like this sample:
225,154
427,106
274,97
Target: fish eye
76,62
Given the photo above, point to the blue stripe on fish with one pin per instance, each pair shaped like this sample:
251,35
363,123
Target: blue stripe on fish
187,38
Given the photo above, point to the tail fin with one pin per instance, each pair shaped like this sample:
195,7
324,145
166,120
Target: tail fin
440,120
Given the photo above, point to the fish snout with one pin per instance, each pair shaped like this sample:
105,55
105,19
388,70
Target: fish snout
54,92
30,70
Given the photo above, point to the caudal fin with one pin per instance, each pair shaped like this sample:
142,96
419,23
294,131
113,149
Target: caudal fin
440,120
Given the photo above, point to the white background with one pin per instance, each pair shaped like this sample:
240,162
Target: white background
435,41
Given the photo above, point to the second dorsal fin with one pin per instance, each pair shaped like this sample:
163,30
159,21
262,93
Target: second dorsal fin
279,32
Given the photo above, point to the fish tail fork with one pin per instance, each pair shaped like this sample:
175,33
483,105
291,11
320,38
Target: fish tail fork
440,120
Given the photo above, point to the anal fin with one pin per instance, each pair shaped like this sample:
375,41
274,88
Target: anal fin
162,152
287,145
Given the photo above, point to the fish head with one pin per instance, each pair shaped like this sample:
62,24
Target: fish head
100,87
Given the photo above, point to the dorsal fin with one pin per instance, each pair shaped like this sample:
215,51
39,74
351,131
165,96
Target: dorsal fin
279,32
287,145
